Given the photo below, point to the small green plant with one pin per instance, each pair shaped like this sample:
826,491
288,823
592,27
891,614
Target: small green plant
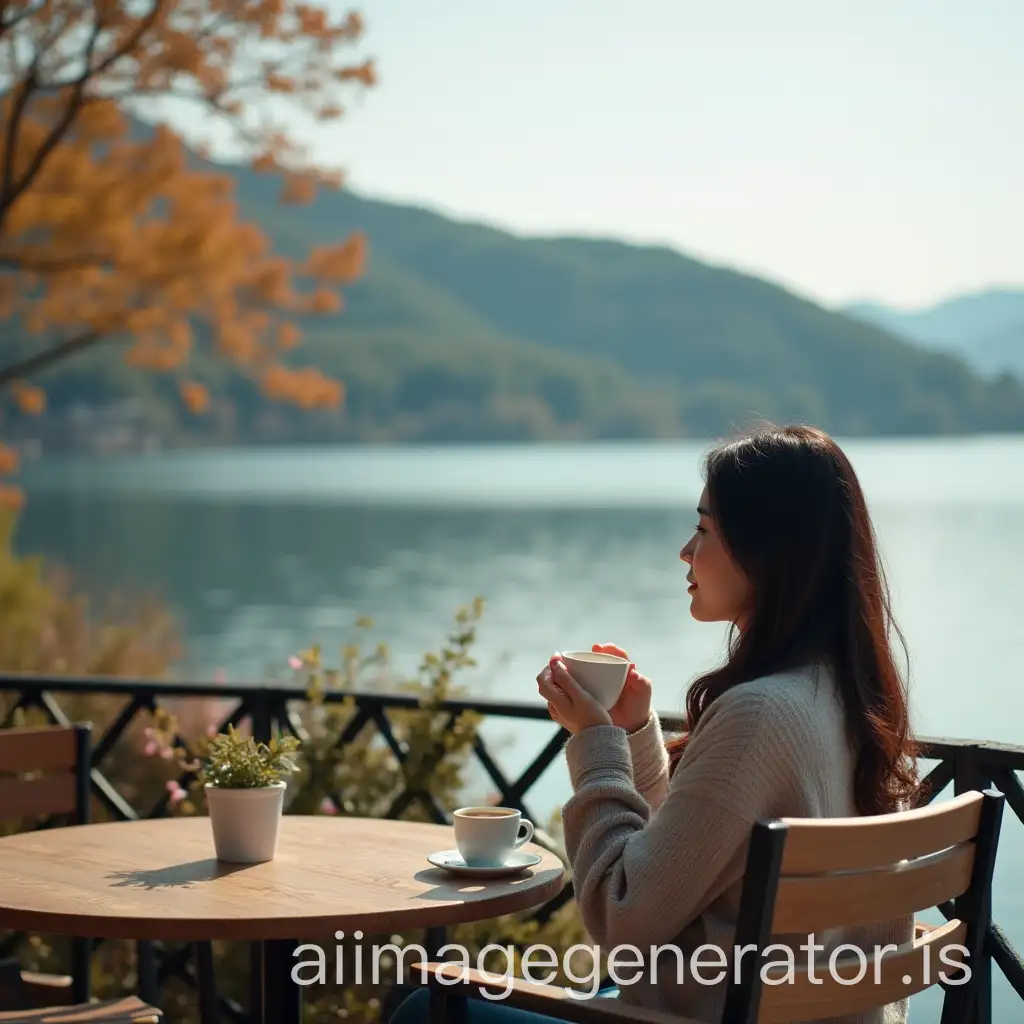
235,761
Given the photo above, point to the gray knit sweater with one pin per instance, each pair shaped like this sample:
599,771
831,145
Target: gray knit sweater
658,862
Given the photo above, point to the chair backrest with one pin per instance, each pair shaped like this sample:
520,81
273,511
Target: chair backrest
806,876
45,771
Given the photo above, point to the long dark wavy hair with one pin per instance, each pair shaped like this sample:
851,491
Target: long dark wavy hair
790,512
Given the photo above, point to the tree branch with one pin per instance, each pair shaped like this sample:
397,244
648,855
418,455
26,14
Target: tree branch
133,40
13,128
33,364
7,24
29,264
11,194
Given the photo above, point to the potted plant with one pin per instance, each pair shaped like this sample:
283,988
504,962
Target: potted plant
245,794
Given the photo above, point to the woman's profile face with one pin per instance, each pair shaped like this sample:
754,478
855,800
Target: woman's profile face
719,592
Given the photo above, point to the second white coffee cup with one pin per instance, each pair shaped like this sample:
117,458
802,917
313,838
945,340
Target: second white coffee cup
486,836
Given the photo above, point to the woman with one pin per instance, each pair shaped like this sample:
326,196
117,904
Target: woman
808,717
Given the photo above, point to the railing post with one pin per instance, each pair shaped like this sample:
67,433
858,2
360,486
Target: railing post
262,726
970,773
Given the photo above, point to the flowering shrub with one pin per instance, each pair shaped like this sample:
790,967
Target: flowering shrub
235,761
230,760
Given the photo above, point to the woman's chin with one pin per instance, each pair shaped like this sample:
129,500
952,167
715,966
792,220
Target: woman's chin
699,610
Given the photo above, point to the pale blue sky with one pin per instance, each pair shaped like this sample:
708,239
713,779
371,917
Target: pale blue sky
844,149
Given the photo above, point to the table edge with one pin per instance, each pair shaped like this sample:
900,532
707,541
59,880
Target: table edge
430,914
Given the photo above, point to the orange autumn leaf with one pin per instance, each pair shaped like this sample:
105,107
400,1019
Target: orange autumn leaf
264,162
324,301
30,399
365,73
288,337
298,190
280,83
308,387
11,497
9,460
344,262
195,396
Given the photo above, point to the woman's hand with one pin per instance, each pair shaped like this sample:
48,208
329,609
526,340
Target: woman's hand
633,708
568,703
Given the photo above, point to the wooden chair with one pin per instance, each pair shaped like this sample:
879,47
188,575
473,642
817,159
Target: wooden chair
805,876
45,772
129,1010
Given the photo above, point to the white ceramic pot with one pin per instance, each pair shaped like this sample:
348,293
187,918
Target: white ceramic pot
246,822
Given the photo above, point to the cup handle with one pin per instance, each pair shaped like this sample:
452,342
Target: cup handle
521,840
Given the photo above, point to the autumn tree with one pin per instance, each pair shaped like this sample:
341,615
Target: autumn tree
109,236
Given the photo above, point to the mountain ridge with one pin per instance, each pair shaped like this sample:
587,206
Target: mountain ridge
463,331
985,327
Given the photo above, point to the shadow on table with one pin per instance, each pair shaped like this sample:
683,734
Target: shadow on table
447,887
176,876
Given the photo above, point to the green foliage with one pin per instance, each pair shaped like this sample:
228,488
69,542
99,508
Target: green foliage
234,761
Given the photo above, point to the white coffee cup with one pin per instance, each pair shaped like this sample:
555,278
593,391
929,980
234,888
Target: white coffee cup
486,836
601,675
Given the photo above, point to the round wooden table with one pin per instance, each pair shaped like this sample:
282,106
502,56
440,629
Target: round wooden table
159,879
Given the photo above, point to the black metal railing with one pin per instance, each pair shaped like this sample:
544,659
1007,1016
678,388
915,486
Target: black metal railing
272,709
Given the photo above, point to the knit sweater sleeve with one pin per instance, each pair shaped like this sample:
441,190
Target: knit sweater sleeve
640,877
650,762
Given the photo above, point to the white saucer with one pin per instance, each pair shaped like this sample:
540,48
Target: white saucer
451,861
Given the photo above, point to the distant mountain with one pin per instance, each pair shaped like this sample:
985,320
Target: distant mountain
985,328
729,346
463,332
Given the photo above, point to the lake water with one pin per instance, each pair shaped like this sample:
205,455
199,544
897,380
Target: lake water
262,553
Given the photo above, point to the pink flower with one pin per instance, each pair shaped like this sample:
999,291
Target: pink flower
167,753
295,662
150,748
327,806
177,793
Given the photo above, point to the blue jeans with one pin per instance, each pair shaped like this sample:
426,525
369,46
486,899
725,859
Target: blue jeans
415,1010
